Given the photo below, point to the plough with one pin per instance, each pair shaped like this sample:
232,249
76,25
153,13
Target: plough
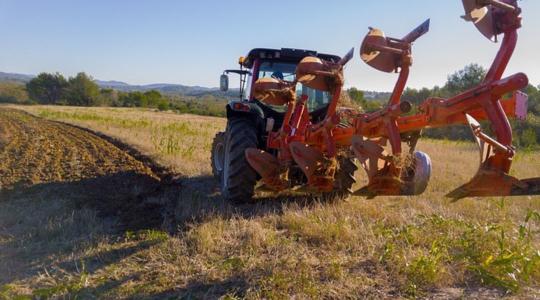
322,143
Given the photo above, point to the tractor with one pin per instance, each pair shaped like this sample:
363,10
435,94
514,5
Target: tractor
288,133
251,121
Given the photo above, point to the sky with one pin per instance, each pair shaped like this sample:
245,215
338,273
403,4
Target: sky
192,42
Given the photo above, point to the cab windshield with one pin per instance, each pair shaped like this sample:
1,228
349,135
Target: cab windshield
287,71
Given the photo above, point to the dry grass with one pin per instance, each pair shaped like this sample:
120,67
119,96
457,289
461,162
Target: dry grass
381,248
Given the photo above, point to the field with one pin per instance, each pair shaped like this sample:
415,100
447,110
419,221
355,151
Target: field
129,209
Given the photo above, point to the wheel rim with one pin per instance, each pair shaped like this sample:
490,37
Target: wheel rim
422,172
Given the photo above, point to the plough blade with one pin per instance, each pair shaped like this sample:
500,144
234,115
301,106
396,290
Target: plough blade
491,180
528,187
381,186
387,176
368,153
486,183
494,184
383,176
268,166
318,169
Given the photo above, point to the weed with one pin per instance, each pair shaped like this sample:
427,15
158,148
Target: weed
70,285
148,235
7,292
495,254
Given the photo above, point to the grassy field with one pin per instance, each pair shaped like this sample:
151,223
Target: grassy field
387,247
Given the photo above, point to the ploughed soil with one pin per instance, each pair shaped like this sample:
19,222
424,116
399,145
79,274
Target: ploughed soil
41,158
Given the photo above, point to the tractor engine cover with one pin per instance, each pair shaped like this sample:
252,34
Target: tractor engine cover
317,74
273,91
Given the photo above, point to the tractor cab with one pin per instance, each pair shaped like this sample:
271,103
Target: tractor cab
278,64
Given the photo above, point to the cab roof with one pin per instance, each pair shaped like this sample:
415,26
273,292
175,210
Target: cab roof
285,55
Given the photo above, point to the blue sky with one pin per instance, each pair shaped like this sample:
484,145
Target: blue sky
191,42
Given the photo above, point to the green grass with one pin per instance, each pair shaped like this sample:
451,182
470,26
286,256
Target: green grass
497,254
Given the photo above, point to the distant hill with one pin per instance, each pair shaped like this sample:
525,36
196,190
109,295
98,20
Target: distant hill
111,84
165,88
14,77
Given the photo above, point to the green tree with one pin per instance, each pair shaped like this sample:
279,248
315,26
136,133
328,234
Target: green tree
534,99
465,79
163,105
357,96
132,99
152,98
47,88
416,96
82,91
108,97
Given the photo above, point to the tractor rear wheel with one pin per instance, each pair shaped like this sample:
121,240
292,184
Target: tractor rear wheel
238,177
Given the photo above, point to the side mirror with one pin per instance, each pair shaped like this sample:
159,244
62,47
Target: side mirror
224,83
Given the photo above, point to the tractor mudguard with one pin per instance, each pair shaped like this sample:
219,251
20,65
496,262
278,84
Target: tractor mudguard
242,109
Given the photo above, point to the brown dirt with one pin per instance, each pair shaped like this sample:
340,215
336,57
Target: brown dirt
40,158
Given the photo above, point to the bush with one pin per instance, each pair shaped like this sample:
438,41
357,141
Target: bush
164,105
11,92
528,138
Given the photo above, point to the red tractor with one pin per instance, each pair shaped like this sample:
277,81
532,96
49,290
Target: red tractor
253,121
288,133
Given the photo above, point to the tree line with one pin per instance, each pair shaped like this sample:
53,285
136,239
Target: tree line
81,90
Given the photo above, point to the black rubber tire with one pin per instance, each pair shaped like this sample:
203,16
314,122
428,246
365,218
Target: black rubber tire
239,178
344,180
218,155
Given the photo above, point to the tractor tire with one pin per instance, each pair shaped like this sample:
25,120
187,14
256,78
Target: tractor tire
218,155
344,180
238,177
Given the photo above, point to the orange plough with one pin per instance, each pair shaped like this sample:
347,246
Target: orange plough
318,145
